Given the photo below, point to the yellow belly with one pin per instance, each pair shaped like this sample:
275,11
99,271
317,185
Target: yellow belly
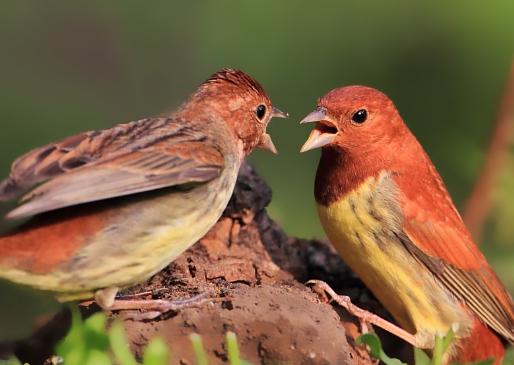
362,229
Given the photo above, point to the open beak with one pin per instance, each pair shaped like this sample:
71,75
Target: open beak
324,132
266,143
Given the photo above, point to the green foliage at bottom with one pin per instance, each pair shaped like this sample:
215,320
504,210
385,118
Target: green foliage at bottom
90,343
420,357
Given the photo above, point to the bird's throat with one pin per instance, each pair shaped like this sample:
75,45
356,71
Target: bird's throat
339,174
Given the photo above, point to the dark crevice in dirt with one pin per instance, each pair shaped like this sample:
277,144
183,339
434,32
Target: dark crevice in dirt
256,273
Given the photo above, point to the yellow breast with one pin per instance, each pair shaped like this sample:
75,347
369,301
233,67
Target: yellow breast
363,228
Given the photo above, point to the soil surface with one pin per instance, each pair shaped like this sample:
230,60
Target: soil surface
254,273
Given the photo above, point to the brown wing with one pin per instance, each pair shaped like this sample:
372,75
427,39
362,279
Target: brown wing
127,159
43,163
434,233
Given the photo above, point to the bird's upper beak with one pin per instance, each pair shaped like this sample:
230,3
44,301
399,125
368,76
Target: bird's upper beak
279,114
266,142
324,132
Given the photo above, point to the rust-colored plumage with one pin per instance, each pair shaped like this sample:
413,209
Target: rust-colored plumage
400,230
115,206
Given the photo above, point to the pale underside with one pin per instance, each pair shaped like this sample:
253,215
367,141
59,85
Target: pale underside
173,188
143,238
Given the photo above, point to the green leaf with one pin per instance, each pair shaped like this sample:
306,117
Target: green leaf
156,353
441,345
376,348
73,347
96,357
96,323
13,360
233,349
437,357
447,339
420,357
119,345
196,341
95,335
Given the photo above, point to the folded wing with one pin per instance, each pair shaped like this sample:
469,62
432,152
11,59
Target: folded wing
127,159
442,243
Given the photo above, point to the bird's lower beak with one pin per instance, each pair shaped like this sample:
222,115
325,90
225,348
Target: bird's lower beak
267,144
279,114
324,132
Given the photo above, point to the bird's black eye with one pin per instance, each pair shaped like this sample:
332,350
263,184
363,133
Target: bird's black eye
360,116
260,111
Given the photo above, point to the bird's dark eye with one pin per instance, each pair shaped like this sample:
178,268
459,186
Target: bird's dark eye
360,116
260,111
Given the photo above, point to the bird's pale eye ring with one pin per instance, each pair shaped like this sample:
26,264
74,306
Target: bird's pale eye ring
260,111
360,116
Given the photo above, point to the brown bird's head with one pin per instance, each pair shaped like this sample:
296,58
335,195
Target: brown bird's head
355,119
242,102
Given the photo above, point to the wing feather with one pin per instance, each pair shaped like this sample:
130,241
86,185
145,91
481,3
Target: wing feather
130,158
438,238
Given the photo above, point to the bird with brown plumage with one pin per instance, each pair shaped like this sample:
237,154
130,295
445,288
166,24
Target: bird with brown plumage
115,206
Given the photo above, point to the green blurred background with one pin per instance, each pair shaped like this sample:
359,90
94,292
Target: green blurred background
67,67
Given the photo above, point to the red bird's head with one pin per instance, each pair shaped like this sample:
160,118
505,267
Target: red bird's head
356,119
362,134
